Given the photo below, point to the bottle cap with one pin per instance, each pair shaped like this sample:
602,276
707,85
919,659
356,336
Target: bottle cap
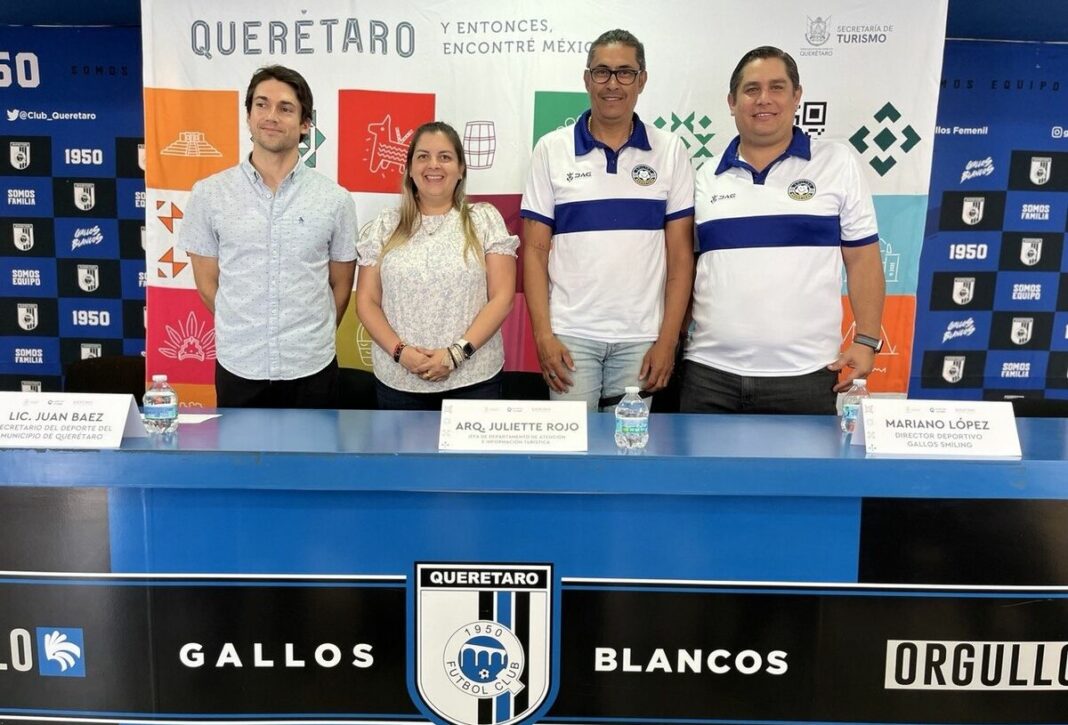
860,381
159,378
632,390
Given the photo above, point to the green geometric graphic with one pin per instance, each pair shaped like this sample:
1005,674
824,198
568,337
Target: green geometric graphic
690,131
307,150
905,139
555,109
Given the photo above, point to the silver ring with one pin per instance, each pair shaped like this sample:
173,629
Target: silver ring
552,375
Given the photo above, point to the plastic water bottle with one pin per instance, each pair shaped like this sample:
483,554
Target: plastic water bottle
632,421
161,406
851,403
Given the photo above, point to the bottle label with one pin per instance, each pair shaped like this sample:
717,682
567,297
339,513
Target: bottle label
850,411
161,412
632,426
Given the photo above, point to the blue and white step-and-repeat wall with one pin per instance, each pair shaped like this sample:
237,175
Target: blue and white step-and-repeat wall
992,300
72,198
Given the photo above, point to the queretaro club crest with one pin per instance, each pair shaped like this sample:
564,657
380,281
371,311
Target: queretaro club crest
22,235
89,277
1031,251
971,212
19,154
28,316
953,368
963,290
1041,166
1022,328
85,195
482,645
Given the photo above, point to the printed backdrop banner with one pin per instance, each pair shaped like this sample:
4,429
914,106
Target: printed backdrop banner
992,318
504,76
72,198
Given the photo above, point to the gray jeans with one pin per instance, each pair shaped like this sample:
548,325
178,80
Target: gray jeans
708,390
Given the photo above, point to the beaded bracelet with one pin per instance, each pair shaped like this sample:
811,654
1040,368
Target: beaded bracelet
397,350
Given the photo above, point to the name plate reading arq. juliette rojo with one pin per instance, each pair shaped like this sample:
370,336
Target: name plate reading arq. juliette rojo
513,425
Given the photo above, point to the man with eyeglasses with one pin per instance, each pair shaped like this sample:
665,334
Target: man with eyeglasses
777,220
607,248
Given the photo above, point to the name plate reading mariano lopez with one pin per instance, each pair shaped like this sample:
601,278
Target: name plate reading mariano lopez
68,420
938,429
513,425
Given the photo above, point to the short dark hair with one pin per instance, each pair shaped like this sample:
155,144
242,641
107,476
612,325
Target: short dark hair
292,79
762,53
623,37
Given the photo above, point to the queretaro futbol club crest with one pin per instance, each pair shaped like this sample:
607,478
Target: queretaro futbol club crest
953,368
1021,330
19,155
1041,166
1031,251
972,210
22,234
27,315
89,277
482,644
85,196
963,290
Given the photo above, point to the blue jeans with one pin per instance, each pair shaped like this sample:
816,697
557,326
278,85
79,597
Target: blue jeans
709,390
603,369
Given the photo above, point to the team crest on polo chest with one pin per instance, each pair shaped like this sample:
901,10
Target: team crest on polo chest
643,175
801,190
482,642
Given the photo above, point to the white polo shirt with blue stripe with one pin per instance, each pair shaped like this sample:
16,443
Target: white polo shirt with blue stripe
767,295
607,210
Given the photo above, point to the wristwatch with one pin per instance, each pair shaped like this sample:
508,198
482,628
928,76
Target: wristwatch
466,348
875,343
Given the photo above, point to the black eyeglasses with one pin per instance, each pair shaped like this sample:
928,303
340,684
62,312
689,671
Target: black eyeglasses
625,76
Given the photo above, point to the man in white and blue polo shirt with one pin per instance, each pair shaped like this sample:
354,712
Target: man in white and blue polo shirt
777,220
607,249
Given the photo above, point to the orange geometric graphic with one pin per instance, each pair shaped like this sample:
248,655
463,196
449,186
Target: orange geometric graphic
168,220
189,135
891,373
176,265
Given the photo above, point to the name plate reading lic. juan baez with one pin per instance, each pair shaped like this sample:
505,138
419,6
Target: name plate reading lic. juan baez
938,429
513,425
67,420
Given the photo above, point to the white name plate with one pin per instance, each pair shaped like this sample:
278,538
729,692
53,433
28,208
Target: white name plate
513,425
68,420
938,429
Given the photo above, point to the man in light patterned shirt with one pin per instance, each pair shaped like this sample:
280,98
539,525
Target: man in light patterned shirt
273,247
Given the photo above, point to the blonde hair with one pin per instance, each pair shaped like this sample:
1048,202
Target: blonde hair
410,218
